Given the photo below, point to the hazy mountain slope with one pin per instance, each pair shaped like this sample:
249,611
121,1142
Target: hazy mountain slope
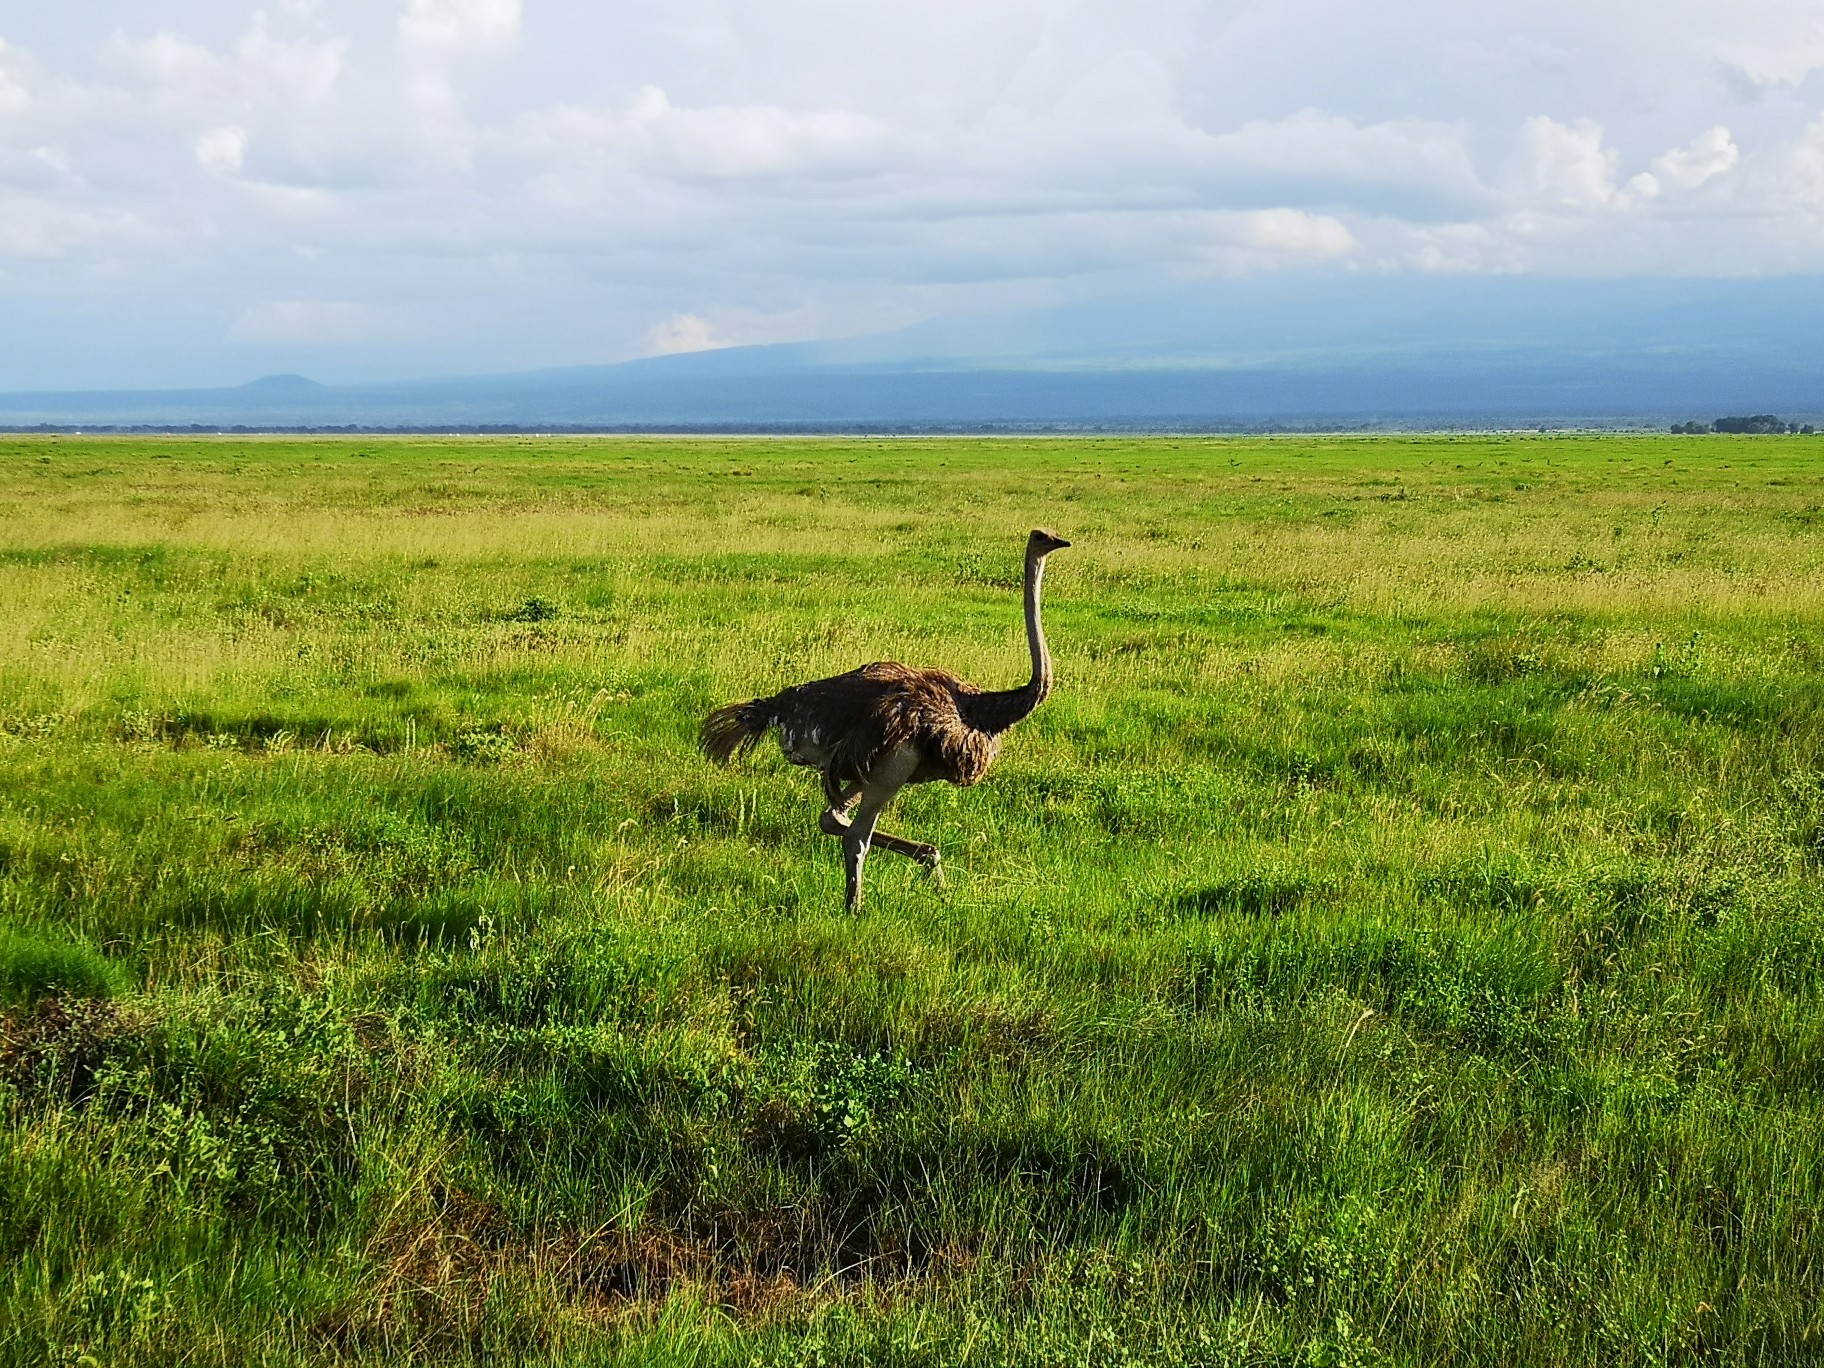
1351,347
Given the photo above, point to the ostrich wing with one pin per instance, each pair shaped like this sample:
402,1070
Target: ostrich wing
856,719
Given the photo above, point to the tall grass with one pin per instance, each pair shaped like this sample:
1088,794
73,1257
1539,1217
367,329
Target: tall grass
1399,940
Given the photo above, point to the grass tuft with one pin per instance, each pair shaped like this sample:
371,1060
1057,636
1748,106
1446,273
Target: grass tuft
35,964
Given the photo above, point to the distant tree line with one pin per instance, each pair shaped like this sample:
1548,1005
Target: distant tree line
1754,424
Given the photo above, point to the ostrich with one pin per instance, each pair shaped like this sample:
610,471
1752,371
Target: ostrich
878,728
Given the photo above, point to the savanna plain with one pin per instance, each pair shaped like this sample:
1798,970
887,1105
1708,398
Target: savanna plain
1399,940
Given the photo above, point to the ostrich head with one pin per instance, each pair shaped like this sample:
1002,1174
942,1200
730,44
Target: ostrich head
1043,542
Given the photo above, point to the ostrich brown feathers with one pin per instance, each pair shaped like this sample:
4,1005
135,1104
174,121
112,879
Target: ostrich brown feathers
860,717
735,729
845,724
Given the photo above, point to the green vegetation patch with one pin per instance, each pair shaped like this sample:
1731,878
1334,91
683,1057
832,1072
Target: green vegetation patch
34,964
1399,940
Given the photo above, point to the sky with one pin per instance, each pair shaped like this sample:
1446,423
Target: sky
201,191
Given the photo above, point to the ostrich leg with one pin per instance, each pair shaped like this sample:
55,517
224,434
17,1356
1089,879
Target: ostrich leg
834,823
881,787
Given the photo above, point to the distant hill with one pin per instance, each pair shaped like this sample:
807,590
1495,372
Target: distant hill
1341,350
283,384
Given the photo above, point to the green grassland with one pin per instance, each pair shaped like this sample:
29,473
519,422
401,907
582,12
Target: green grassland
1399,940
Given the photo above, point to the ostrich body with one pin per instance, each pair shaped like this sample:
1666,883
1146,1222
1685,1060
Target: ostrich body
874,730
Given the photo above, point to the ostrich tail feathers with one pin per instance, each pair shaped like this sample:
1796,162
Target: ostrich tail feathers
735,729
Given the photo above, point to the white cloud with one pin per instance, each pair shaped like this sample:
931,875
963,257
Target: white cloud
1454,249
683,333
1769,68
1416,164
460,24
1707,156
1296,233
719,141
44,233
1800,176
222,149
311,321
14,95
262,69
55,159
1564,166
811,167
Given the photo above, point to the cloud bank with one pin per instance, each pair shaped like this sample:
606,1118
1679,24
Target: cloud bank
195,192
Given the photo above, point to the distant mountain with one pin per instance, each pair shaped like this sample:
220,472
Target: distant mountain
283,384
1339,350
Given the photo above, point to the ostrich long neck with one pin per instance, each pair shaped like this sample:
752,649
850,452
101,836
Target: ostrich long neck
996,712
